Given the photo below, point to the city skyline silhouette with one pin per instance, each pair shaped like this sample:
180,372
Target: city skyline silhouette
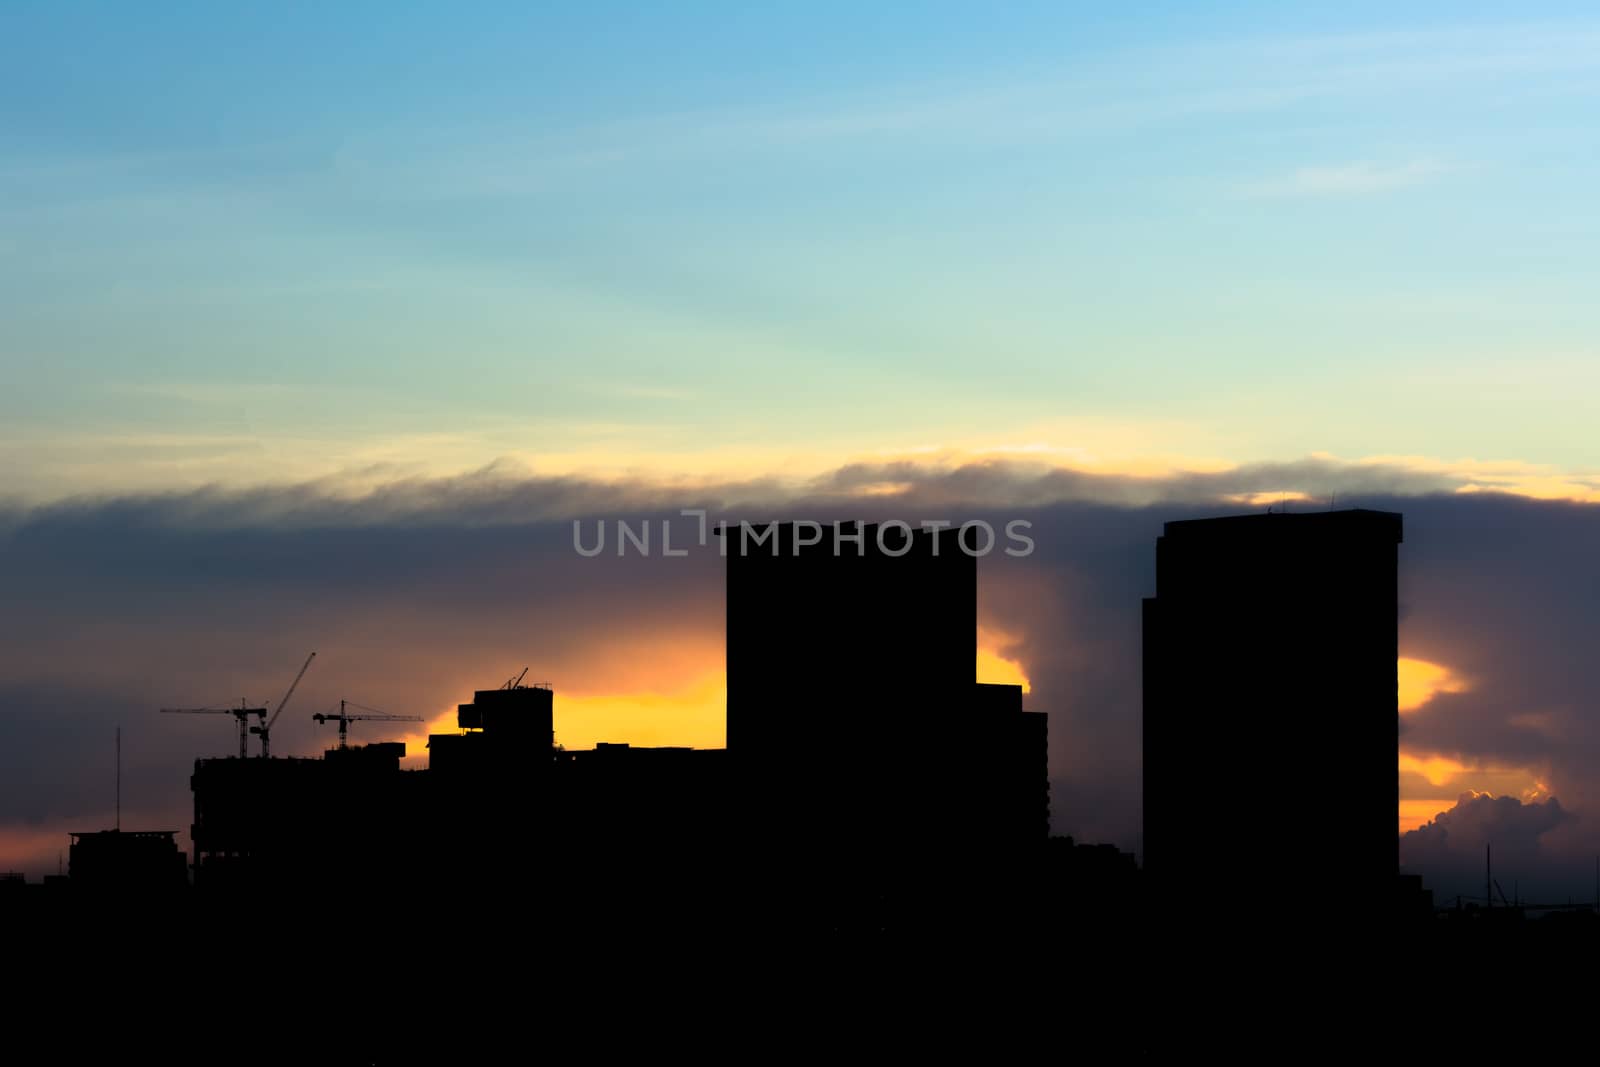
383,390
936,817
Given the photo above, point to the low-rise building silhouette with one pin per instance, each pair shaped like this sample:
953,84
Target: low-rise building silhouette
127,862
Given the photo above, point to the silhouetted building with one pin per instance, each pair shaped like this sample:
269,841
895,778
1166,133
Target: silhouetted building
1413,901
346,823
1009,762
1270,710
639,837
850,670
128,862
870,782
489,811
874,767
519,714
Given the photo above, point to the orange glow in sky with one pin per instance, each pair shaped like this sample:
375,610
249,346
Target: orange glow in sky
1421,680
683,701
691,711
995,669
1430,782
692,715
1438,770
695,716
1416,813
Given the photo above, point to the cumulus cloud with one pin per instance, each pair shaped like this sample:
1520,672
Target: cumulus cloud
1452,852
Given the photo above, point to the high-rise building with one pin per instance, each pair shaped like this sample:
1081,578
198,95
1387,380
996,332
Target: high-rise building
1008,765
850,664
1270,712
877,781
852,700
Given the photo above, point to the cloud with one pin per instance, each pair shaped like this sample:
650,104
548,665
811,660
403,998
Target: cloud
416,591
1421,681
1347,179
1452,852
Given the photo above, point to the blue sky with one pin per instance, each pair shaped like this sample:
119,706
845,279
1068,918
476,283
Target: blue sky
267,244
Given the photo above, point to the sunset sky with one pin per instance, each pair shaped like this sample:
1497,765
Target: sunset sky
320,323
287,241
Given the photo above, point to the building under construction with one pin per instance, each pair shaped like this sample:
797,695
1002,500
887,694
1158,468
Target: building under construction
869,784
931,786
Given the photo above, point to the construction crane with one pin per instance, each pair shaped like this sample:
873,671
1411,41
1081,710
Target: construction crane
242,713
344,718
265,729
512,683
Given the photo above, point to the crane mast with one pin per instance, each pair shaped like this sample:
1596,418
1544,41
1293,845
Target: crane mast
241,713
265,729
344,718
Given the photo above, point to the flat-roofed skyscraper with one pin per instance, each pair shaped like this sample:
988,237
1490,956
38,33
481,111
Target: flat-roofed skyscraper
874,782
1270,712
851,670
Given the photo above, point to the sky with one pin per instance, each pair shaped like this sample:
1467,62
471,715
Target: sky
303,306
283,242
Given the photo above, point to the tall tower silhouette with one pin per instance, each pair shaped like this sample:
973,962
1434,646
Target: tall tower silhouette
851,671
1270,713
881,786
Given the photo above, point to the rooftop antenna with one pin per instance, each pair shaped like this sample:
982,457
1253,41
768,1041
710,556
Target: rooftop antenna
119,779
1488,874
